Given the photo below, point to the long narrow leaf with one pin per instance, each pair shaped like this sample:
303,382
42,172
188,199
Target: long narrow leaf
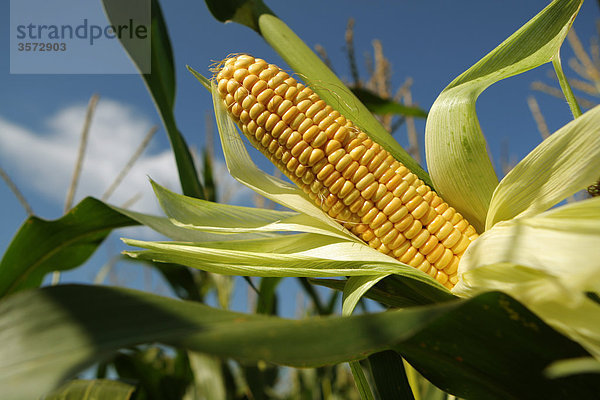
564,163
50,334
161,85
456,149
41,246
207,216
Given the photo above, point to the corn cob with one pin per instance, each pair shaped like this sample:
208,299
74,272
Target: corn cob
349,176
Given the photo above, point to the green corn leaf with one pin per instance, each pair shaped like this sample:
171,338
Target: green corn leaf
355,288
300,255
549,262
455,147
564,163
99,389
202,215
209,380
560,244
389,375
50,334
257,16
161,85
42,246
573,367
395,292
166,227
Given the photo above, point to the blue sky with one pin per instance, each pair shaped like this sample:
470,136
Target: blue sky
430,41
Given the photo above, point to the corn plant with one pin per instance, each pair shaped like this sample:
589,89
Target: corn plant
504,306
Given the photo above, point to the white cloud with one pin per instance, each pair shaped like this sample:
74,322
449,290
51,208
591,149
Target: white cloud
45,160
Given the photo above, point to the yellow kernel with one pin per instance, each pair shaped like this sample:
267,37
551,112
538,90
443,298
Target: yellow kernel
304,105
258,87
381,191
351,197
421,211
379,219
292,164
232,86
444,231
332,146
305,155
294,138
271,122
393,183
452,266
370,190
413,203
343,162
358,152
402,249
452,239
335,156
360,173
278,129
413,230
444,259
320,140
390,236
404,223
274,103
436,253
310,134
449,213
257,67
305,125
369,216
291,93
341,134
386,177
331,178
384,201
424,266
441,277
384,229
265,95
408,255
245,117
349,171
436,224
315,108
347,186
299,148
325,122
285,135
383,167
367,157
420,240
325,172
461,245
398,241
416,260
316,155
256,110
367,235
400,213
409,194
401,189
429,245
366,207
